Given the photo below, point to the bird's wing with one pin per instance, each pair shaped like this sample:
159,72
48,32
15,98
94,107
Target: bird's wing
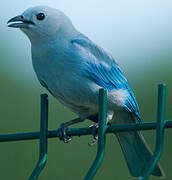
104,71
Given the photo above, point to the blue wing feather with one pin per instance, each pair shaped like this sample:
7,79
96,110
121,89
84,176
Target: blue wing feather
105,72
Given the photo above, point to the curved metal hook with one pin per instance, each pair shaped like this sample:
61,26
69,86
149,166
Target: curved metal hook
101,135
159,132
43,138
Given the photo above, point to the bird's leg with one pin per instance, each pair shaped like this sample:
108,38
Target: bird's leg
94,128
62,129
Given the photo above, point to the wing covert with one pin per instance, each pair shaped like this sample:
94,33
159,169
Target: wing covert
104,71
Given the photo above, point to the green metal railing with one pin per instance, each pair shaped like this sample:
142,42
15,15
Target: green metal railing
44,134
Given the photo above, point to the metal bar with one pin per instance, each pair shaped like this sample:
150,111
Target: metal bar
43,138
101,135
159,133
83,131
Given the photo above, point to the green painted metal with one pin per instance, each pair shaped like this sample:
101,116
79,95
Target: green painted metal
44,134
43,138
101,135
83,131
159,133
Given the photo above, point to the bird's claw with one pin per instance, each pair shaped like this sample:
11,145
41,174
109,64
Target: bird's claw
62,133
94,133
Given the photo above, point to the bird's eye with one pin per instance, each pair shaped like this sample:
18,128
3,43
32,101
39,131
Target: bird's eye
40,16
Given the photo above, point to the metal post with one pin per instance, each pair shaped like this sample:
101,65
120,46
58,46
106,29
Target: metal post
43,138
101,135
159,133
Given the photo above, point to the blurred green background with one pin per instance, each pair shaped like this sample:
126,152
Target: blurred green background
137,33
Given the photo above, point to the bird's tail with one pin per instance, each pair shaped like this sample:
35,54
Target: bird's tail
137,153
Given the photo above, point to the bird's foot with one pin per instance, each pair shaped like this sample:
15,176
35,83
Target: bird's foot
94,133
62,133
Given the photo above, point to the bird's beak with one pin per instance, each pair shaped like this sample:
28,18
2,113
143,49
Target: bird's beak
19,22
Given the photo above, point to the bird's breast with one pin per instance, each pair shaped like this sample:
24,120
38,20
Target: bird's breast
66,83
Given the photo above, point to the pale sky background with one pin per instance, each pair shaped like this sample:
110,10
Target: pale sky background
137,33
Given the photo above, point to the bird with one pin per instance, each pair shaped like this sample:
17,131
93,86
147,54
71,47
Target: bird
73,69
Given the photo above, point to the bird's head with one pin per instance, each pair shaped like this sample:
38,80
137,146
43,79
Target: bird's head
41,22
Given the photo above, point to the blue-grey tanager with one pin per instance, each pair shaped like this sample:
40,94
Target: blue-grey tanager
73,69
